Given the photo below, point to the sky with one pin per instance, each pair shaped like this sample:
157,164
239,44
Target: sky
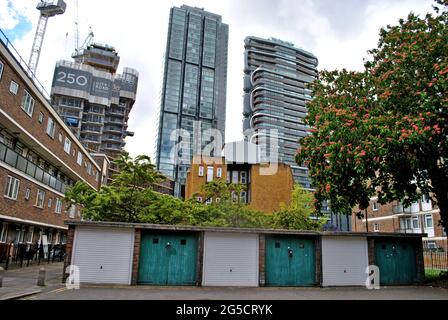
339,33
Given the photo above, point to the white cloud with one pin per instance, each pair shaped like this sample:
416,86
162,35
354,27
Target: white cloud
138,30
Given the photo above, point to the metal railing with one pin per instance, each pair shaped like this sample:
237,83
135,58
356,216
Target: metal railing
436,260
16,55
12,158
18,254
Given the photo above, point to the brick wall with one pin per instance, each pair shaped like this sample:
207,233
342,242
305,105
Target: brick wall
268,192
11,104
318,248
262,260
195,182
68,251
200,259
136,255
26,209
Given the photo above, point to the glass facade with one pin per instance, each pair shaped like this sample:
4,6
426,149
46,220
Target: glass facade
194,89
276,78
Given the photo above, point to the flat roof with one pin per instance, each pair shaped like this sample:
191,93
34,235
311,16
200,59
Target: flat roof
162,227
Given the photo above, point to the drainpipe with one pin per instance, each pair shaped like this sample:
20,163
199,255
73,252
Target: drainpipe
367,222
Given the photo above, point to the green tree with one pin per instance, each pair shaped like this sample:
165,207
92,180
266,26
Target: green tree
129,196
298,214
383,131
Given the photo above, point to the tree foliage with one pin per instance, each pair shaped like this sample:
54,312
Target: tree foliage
383,131
130,198
298,214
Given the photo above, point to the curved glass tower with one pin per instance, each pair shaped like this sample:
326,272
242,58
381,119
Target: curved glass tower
275,97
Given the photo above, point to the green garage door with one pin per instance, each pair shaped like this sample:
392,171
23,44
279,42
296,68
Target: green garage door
290,261
168,259
396,261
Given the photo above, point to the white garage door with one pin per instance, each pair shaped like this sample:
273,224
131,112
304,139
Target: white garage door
103,255
344,261
230,259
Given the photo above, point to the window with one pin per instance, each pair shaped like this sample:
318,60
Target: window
58,207
27,194
218,200
72,211
219,172
51,126
29,235
209,201
228,177
376,227
199,199
428,221
60,137
40,199
243,177
41,117
28,103
79,161
375,206
4,232
243,197
13,88
12,188
209,174
201,171
1,69
415,223
235,177
89,168
67,145
50,202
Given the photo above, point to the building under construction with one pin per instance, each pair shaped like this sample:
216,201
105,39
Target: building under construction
95,101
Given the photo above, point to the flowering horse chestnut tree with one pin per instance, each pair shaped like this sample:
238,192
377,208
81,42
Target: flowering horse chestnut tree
383,131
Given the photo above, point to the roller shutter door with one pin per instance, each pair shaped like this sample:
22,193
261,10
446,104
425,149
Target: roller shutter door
344,261
103,255
230,259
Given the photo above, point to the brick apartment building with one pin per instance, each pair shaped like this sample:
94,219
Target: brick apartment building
263,192
39,158
420,217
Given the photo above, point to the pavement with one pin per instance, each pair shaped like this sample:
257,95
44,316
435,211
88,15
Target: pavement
91,292
22,282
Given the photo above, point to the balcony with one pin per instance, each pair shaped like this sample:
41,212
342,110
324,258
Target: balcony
118,139
113,120
22,164
116,112
113,148
112,129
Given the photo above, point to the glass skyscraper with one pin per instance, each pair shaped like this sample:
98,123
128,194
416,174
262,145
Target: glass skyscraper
193,96
275,97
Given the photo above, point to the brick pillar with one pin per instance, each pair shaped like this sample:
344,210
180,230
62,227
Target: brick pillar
318,253
371,251
136,255
418,245
68,251
261,260
200,259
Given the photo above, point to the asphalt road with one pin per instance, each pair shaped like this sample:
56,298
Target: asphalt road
202,293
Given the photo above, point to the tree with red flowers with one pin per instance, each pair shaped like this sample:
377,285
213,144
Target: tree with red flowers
383,131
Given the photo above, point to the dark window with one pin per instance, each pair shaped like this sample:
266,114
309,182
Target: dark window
277,244
183,242
155,240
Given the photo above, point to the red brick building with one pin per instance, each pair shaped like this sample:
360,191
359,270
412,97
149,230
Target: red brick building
420,217
39,158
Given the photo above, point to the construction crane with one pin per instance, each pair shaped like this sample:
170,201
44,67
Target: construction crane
85,44
89,38
47,10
